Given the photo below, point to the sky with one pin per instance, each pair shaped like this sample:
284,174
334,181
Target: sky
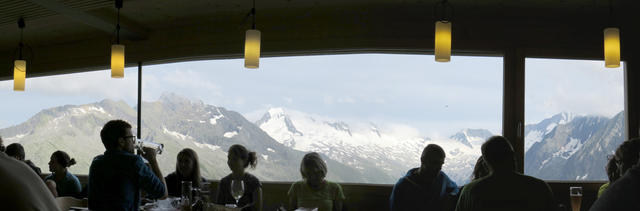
389,90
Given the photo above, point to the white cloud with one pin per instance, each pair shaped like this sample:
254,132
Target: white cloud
288,100
96,83
184,82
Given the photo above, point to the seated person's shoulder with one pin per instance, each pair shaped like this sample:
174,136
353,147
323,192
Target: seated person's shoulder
253,179
334,185
535,181
173,176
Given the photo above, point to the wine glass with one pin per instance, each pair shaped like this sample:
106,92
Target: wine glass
186,193
237,190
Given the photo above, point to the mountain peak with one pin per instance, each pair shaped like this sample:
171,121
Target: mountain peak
276,114
471,137
564,117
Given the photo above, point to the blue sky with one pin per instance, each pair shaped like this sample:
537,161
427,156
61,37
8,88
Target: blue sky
436,99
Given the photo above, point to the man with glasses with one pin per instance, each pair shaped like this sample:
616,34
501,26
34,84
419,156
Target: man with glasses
117,176
623,193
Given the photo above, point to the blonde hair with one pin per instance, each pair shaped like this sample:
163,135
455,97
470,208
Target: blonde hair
313,160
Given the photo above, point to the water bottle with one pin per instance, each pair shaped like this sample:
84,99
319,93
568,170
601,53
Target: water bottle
150,144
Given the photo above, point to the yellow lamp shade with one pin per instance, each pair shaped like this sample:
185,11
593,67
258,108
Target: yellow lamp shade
443,41
19,74
117,61
252,49
612,47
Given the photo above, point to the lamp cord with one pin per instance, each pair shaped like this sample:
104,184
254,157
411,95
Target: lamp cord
443,13
21,25
611,12
253,14
20,44
118,27
119,4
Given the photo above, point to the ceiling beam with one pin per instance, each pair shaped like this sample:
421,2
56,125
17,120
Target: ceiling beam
128,31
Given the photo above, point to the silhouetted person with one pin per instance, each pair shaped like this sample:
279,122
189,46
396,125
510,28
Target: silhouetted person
21,189
117,176
238,159
187,169
314,191
504,188
426,187
16,151
61,182
612,173
2,148
480,170
623,194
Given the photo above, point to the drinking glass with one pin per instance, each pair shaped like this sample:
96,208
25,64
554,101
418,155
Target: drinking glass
186,193
237,189
576,197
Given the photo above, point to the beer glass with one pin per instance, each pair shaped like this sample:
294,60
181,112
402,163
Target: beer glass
576,197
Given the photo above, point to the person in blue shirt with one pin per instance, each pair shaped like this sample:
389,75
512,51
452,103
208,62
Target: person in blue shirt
117,176
61,182
426,187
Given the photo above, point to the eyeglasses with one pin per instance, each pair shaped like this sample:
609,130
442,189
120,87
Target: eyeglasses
129,137
617,161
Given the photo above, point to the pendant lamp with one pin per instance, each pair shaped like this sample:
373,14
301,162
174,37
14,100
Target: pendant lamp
117,49
611,42
442,45
20,64
252,43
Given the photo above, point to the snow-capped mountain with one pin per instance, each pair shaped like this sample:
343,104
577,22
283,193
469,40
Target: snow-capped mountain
365,145
564,146
176,122
472,137
534,133
567,147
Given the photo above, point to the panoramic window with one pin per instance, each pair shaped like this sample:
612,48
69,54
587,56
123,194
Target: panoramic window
66,112
368,115
574,111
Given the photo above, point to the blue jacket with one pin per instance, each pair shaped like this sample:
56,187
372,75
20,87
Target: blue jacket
409,195
115,181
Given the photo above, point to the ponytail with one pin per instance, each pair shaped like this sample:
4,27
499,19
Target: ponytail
253,160
72,162
250,158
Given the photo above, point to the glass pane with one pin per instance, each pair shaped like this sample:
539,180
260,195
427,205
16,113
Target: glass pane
574,111
369,115
66,112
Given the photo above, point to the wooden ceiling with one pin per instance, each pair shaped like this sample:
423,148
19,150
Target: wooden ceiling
68,36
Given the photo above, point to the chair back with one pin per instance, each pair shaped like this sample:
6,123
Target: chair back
64,203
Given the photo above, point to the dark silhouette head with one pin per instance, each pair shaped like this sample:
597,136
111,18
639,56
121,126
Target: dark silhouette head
116,134
313,169
612,169
60,161
480,169
498,154
188,166
15,150
2,148
432,159
240,158
627,155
